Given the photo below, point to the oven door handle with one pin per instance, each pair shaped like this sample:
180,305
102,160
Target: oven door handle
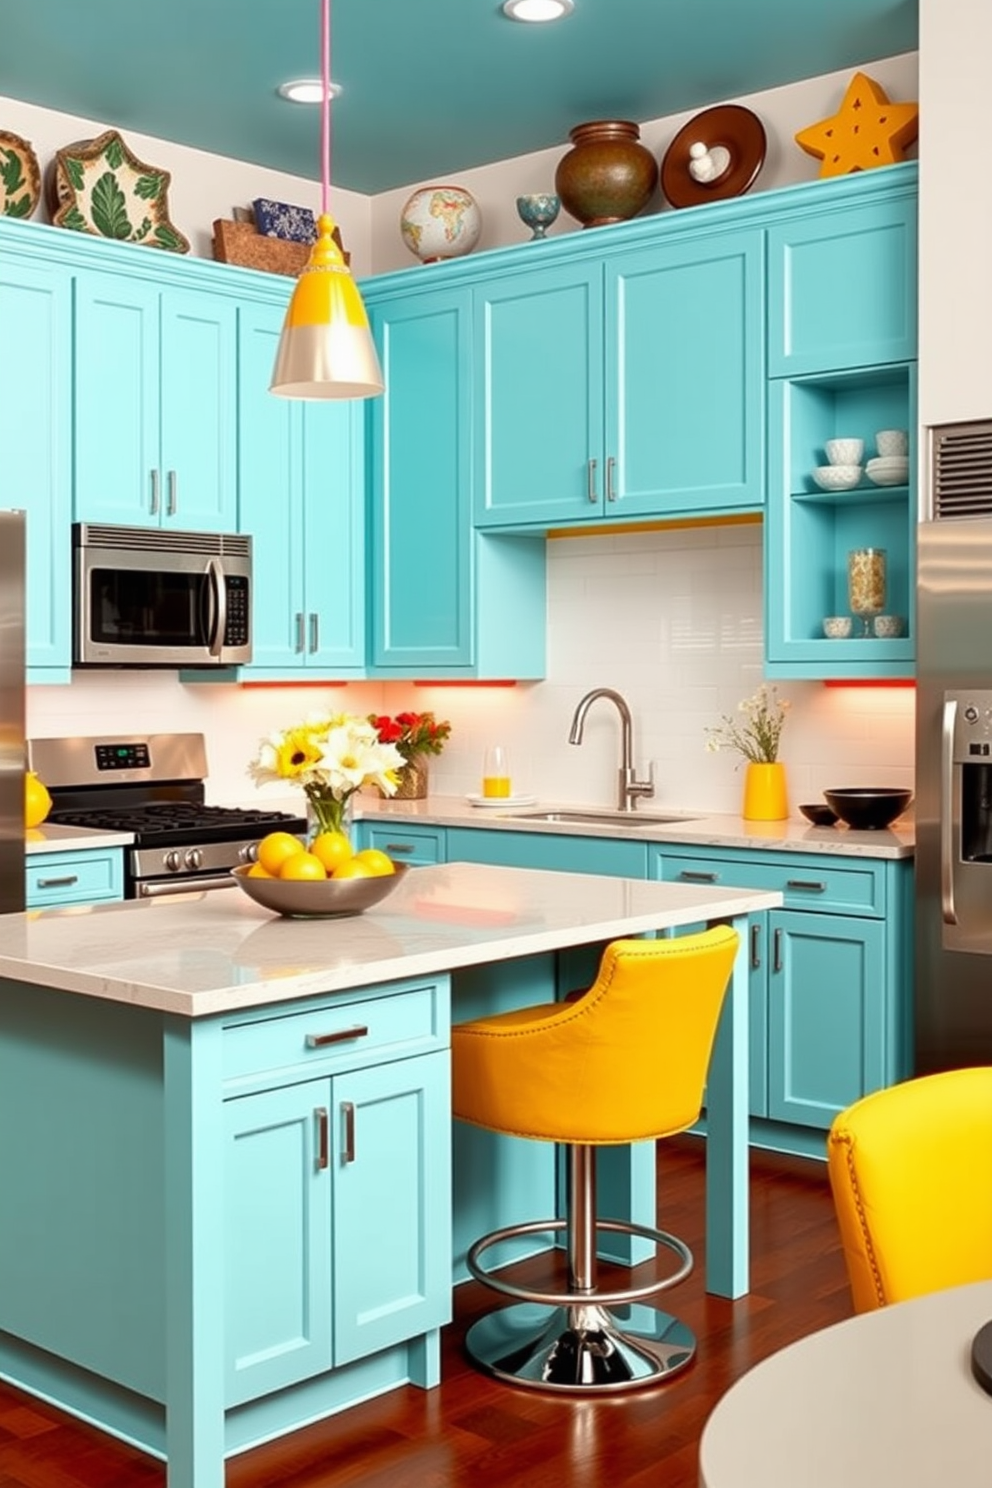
159,889
948,724
216,607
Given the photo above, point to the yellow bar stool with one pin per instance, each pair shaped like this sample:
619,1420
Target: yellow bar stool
625,1061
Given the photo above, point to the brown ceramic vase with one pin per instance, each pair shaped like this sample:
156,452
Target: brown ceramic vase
608,175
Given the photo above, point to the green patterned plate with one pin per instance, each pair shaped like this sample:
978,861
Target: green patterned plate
97,186
20,178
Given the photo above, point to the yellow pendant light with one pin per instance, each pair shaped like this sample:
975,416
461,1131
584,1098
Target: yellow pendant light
326,348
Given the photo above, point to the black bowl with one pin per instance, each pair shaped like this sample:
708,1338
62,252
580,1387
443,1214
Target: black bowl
819,814
869,808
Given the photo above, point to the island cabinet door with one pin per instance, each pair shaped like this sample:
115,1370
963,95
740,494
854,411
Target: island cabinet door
391,1163
277,1210
826,1014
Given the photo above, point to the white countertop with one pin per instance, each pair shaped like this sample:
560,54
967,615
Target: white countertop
702,830
218,952
49,838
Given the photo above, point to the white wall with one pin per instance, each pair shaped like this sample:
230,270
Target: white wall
203,187
955,373
782,111
670,619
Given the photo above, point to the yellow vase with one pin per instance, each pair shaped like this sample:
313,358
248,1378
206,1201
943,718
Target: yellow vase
766,796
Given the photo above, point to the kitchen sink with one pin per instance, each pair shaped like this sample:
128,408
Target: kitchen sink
600,818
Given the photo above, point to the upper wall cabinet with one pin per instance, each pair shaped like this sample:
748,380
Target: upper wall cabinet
302,500
622,386
842,281
445,601
155,405
36,397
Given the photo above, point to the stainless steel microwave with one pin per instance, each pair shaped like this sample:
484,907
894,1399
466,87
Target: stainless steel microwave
146,597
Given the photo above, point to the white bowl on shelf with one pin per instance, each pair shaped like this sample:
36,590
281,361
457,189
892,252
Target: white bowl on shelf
888,470
844,451
892,442
837,477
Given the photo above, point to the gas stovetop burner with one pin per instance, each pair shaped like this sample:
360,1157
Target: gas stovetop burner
166,823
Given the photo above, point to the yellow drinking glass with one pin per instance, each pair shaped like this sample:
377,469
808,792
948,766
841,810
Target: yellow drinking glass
496,772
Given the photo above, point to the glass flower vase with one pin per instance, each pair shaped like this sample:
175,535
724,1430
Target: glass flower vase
328,813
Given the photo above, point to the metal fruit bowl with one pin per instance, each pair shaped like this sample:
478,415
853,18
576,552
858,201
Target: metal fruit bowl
869,808
326,899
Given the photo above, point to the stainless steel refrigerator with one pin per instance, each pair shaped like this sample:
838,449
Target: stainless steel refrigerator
953,971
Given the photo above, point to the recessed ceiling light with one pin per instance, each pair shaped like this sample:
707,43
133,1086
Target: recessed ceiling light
306,90
537,10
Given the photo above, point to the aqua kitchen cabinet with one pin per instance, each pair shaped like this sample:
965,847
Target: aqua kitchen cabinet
301,498
444,600
36,396
623,383
337,1185
155,403
73,876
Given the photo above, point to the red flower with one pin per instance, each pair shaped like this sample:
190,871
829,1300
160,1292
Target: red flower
412,733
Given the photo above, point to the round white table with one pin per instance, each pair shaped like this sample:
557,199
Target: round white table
884,1398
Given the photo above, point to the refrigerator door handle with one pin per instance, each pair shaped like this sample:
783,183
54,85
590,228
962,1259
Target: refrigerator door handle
946,811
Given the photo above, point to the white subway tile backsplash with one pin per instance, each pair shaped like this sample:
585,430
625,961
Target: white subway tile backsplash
671,619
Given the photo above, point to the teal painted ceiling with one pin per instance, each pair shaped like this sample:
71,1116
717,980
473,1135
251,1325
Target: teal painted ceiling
430,87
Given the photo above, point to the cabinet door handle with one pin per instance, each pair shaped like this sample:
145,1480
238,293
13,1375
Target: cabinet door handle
340,1036
59,883
348,1116
322,1160
755,947
154,502
172,499
300,633
314,632
591,480
611,465
777,958
812,885
690,876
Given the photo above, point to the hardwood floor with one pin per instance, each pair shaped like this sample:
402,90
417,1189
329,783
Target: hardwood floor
474,1431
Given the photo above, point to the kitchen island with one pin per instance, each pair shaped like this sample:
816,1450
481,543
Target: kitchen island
226,1142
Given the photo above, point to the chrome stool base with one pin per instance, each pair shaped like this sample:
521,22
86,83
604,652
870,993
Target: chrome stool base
581,1346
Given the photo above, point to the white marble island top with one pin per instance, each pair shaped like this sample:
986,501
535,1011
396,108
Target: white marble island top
218,952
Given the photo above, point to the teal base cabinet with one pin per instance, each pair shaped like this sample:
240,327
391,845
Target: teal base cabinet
545,850
78,877
413,845
831,989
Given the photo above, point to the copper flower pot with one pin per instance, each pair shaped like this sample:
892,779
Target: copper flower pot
608,175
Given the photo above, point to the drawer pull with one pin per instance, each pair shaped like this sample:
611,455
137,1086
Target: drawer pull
59,883
323,1157
321,1040
348,1112
692,877
755,947
400,847
812,885
777,960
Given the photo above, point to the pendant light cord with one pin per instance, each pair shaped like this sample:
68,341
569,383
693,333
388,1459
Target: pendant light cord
325,107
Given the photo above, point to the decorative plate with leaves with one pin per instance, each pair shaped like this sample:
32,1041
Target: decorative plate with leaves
99,187
20,178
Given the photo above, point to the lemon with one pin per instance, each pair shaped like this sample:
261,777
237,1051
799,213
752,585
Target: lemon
353,868
332,848
302,866
377,864
37,801
274,849
257,871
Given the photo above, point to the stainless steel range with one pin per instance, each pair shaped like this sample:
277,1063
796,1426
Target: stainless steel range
153,786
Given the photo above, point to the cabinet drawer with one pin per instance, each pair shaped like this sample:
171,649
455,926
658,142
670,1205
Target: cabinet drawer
73,878
806,884
342,1033
405,844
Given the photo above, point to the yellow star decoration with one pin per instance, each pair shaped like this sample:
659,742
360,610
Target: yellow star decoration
866,131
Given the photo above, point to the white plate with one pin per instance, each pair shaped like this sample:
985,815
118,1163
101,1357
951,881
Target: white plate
501,801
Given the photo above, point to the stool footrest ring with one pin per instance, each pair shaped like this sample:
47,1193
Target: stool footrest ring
564,1298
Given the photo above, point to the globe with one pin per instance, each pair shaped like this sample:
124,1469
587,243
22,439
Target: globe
440,222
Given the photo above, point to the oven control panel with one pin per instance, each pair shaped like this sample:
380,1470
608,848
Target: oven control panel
122,757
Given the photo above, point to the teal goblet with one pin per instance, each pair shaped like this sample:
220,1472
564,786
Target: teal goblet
538,211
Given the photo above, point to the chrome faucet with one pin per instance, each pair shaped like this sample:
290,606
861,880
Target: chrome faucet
629,788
